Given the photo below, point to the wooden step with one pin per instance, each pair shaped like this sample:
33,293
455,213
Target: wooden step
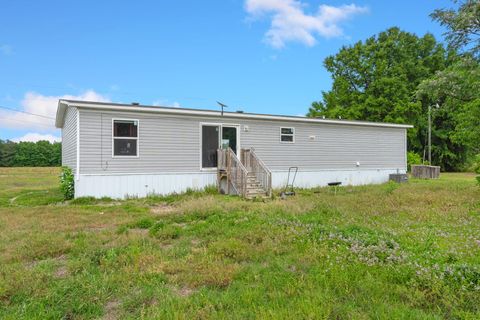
257,195
254,185
256,191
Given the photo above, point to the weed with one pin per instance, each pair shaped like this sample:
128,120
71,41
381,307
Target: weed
232,248
67,183
143,223
385,252
82,201
164,232
122,229
391,186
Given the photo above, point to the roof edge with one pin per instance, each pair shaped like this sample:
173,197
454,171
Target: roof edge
60,116
214,113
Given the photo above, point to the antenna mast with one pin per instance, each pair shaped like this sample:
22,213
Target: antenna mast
223,106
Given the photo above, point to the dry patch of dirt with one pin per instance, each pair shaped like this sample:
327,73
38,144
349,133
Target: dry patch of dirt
138,231
197,247
162,209
166,246
61,272
183,291
111,310
60,259
97,229
182,225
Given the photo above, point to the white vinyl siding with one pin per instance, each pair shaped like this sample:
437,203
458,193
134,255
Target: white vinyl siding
69,139
171,143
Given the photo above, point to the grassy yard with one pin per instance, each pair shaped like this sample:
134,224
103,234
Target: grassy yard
391,251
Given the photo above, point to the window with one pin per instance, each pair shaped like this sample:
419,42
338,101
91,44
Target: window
287,135
125,138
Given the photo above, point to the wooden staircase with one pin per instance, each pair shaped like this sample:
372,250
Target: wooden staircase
254,189
248,177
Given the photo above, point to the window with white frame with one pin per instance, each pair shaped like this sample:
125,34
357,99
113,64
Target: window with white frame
125,138
287,135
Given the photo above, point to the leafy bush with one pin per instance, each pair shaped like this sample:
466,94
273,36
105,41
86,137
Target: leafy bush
144,223
157,227
164,232
391,186
211,189
67,183
231,248
476,164
413,158
476,167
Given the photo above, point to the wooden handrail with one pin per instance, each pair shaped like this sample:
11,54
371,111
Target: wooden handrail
236,159
260,161
262,173
236,171
221,159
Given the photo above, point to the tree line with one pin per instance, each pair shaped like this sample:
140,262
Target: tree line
395,76
30,154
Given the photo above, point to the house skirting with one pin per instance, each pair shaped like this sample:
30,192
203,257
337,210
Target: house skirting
120,186
320,178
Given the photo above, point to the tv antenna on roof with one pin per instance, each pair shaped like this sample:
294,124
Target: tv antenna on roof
223,106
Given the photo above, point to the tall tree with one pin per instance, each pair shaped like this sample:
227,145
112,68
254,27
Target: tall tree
457,88
377,79
456,91
463,25
7,153
56,154
30,154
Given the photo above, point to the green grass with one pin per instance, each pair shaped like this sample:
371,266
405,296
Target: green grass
409,251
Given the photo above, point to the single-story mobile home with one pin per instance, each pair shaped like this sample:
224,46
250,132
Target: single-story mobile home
120,150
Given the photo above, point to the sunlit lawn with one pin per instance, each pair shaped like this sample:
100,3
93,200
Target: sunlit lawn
386,252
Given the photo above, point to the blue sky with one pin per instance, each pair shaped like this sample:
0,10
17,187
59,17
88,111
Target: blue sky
260,56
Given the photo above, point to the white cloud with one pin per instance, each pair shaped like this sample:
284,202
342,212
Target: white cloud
6,49
34,137
291,23
45,106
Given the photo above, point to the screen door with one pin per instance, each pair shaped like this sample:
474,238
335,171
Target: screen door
210,144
